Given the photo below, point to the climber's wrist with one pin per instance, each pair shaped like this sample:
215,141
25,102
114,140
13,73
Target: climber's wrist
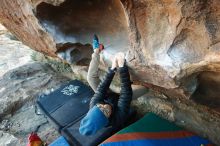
97,51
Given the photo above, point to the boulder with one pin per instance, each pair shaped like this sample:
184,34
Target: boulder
19,114
26,120
14,53
25,84
165,41
171,46
7,139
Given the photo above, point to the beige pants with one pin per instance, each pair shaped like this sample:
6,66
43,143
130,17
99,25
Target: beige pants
93,72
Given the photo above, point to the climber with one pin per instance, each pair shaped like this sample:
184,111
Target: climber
107,108
93,72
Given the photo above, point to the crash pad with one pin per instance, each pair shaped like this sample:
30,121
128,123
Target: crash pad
152,130
67,104
60,141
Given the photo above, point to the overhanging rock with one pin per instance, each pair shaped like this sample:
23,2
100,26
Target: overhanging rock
165,41
171,45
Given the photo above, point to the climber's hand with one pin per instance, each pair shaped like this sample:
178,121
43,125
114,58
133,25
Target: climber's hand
114,63
120,59
101,47
97,51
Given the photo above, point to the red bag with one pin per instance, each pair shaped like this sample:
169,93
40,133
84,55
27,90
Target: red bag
34,140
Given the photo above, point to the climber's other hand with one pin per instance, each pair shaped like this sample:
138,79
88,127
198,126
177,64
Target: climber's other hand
120,59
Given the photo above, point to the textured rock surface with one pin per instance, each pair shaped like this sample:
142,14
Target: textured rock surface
75,53
22,123
168,39
15,122
24,25
24,83
172,46
19,89
172,38
7,139
15,53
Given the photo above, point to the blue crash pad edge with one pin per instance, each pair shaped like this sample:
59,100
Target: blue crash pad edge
60,141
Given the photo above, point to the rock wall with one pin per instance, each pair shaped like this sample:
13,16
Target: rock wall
175,38
172,46
18,17
19,116
165,40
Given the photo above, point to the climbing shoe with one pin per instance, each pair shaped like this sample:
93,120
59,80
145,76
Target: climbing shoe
95,43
